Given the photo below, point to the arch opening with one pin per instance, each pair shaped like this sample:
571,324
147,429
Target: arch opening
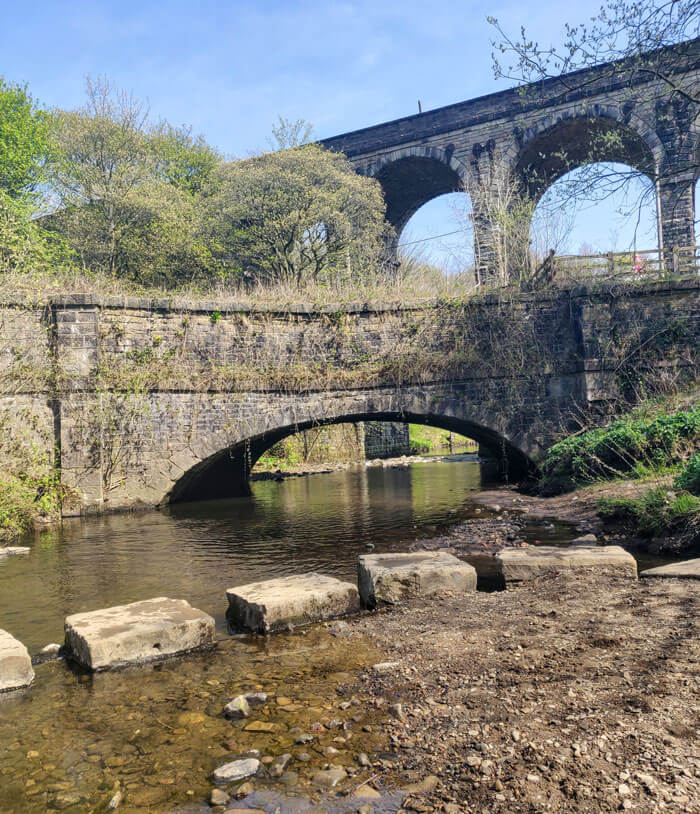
412,181
579,142
601,207
440,233
226,473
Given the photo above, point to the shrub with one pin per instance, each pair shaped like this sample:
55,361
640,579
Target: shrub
626,446
657,512
689,478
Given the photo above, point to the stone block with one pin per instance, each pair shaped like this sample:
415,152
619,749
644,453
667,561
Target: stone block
15,664
263,607
390,578
688,569
139,632
519,564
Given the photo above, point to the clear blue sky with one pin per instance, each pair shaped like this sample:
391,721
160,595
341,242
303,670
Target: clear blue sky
228,69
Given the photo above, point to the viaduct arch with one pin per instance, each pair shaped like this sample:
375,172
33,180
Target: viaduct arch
419,157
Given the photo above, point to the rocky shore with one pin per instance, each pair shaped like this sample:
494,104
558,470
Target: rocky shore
565,694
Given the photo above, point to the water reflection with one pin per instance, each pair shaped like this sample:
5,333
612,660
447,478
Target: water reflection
195,551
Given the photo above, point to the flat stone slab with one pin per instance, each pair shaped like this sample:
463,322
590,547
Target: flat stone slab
136,633
15,664
688,569
391,578
13,550
518,564
263,607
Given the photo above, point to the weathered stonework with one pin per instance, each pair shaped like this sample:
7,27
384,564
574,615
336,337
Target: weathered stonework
143,403
531,127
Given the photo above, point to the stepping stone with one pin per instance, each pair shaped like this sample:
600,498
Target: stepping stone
263,607
10,551
137,633
391,578
519,564
15,664
688,569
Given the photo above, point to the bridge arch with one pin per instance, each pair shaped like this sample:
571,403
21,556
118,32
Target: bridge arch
559,144
412,176
224,468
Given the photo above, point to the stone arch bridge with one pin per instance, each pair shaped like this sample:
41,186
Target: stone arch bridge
620,112
141,402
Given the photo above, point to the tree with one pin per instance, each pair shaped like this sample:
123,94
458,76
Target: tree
287,133
128,191
25,139
183,160
301,213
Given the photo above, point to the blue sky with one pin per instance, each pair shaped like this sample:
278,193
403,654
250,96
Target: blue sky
228,69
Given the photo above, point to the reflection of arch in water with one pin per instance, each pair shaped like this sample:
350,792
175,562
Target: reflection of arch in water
224,472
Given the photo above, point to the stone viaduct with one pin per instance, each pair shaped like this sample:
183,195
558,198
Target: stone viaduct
140,402
621,112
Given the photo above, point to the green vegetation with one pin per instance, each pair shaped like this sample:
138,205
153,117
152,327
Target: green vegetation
424,439
689,477
631,446
659,512
657,446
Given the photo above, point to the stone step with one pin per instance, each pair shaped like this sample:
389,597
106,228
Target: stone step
275,604
688,569
391,578
137,633
519,564
15,664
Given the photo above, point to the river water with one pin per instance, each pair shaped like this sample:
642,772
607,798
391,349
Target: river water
155,733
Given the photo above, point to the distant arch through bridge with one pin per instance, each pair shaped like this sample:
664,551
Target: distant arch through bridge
624,113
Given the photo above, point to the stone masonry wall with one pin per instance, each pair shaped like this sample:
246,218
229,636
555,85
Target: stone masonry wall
137,399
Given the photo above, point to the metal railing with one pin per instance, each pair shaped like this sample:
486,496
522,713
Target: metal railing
651,264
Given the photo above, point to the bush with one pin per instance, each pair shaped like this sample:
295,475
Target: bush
689,478
627,446
657,512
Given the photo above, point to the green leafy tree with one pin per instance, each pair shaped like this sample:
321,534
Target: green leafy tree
128,190
25,140
297,214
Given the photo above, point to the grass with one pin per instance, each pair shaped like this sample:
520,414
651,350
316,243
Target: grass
659,512
634,445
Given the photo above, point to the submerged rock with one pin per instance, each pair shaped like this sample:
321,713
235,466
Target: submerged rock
238,708
236,770
329,777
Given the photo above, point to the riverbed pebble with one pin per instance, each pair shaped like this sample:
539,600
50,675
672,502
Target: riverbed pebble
237,708
236,770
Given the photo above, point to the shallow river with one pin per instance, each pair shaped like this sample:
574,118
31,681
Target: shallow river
155,733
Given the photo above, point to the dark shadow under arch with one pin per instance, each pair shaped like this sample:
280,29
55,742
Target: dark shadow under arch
576,142
412,181
226,473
